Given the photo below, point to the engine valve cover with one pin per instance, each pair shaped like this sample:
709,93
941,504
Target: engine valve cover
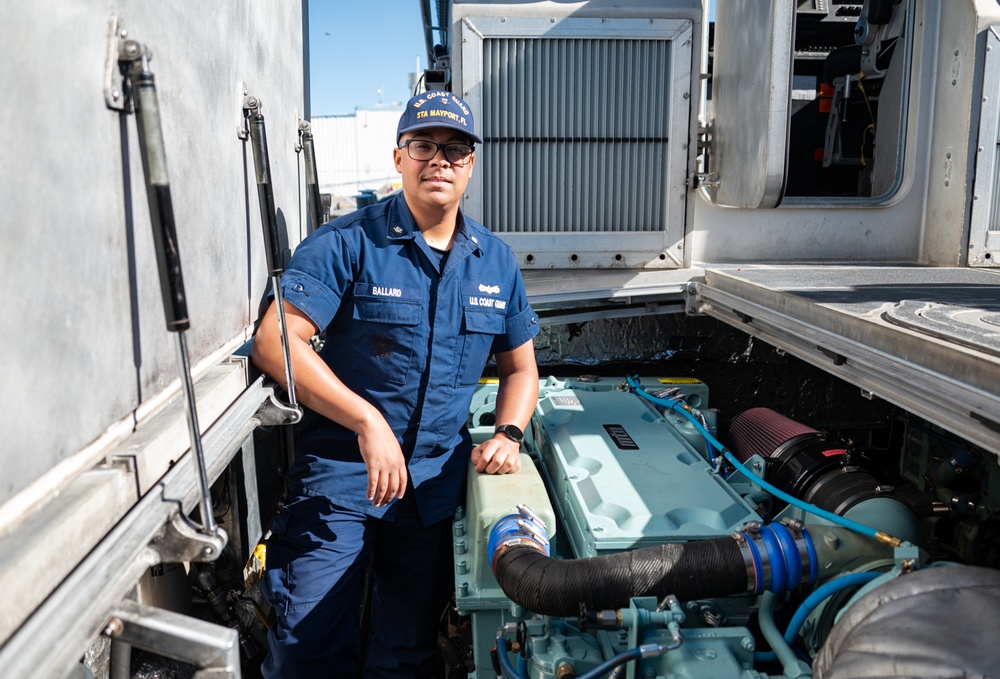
623,476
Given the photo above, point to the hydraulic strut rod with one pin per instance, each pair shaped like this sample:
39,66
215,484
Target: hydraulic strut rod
269,221
312,175
135,60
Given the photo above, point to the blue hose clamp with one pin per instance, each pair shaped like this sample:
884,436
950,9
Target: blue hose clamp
523,528
778,558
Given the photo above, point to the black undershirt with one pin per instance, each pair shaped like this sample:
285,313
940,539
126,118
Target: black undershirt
441,256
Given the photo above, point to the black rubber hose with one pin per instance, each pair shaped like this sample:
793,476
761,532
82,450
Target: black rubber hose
692,570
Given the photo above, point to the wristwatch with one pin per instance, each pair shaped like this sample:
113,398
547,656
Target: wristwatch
510,431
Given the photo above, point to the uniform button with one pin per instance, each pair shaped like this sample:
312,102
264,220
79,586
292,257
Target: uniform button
298,287
534,320
397,229
475,240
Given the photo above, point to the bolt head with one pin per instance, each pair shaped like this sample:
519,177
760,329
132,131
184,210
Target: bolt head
114,627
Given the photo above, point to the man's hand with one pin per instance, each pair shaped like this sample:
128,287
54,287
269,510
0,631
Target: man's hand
498,455
384,462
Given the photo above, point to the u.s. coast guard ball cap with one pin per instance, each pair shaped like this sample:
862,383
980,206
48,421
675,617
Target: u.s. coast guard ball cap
437,109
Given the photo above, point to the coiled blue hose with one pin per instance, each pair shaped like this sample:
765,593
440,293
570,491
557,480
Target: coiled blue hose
611,663
509,672
647,650
812,509
820,594
506,669
678,407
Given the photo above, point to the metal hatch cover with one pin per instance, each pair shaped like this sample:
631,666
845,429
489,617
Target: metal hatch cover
751,95
919,337
971,326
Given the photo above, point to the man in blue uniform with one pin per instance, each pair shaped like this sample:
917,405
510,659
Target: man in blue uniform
414,296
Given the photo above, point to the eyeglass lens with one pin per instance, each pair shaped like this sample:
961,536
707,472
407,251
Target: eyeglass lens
421,149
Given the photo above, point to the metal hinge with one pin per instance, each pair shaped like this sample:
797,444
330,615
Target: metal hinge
120,49
180,540
704,179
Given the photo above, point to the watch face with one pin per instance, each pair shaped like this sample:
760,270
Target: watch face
511,432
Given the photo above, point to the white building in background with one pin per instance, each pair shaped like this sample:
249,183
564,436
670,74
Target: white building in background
354,152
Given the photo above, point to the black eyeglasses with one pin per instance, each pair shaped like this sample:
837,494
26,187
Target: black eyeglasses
422,149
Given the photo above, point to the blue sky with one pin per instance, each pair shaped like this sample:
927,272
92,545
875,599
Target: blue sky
359,46
356,47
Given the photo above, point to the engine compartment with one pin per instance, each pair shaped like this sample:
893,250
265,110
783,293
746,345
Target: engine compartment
633,545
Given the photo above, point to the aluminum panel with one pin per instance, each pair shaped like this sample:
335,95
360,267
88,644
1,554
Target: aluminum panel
87,347
984,235
751,89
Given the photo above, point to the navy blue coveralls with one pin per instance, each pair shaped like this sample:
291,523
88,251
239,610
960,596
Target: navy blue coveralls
410,333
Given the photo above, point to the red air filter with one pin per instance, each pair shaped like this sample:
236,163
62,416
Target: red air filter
761,431
800,460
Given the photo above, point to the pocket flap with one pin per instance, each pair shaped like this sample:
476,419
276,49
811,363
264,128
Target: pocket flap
484,321
382,310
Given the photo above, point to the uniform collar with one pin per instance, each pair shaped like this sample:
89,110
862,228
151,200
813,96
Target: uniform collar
468,242
400,226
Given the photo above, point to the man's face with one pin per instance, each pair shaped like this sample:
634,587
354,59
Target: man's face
435,182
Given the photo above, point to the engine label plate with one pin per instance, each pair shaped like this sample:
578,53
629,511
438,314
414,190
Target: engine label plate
620,437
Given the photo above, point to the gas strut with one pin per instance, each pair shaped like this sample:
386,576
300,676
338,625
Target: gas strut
269,220
134,59
312,175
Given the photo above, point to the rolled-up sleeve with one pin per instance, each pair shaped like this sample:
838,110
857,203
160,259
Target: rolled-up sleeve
318,275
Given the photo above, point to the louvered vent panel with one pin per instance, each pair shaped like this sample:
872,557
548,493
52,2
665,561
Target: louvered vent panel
576,134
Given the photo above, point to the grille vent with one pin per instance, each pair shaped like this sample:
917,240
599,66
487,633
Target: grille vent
578,134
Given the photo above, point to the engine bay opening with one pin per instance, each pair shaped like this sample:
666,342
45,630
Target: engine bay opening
674,525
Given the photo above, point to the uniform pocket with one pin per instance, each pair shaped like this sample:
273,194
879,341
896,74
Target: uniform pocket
385,331
479,328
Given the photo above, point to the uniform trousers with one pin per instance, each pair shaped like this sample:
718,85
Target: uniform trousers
314,580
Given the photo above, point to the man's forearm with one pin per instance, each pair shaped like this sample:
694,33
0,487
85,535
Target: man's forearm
316,386
518,392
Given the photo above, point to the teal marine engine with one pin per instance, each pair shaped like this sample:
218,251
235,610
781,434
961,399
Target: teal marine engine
635,543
